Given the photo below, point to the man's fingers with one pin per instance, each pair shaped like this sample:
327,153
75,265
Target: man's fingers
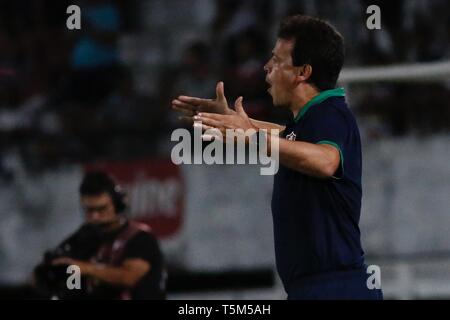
194,102
202,126
183,105
209,122
212,123
187,113
208,115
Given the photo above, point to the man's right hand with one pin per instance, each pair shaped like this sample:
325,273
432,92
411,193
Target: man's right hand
190,106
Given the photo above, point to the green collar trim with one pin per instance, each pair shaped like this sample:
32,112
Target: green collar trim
322,96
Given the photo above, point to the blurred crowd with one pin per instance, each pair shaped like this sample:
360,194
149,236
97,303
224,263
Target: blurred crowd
70,96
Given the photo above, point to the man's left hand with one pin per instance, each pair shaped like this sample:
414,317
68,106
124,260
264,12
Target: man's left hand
238,121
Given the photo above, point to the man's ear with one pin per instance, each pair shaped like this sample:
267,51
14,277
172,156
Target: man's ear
304,72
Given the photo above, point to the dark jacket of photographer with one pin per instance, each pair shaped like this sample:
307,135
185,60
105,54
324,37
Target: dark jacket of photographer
131,240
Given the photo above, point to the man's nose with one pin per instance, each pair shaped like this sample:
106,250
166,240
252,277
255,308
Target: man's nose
267,67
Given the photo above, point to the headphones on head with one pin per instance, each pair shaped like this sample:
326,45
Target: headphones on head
96,182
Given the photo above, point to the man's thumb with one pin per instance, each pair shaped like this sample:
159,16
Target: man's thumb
220,91
238,105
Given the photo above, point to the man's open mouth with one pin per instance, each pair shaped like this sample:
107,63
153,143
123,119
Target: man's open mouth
269,86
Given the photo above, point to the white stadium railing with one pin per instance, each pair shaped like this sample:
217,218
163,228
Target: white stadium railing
418,72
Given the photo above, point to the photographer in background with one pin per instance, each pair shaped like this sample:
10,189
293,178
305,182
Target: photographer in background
118,258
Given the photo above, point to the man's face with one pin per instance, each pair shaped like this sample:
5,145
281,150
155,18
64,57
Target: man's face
99,209
281,73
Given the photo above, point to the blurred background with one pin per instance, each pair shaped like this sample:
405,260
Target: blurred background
100,97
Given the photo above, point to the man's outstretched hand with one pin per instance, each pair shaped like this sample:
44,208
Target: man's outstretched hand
190,106
239,120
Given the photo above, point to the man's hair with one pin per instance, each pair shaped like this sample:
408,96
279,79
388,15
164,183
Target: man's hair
97,182
317,43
